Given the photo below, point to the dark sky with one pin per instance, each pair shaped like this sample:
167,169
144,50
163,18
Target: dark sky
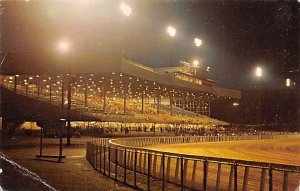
236,35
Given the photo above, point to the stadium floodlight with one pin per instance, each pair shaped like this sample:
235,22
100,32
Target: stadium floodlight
235,104
198,42
63,46
288,82
258,71
126,10
171,31
196,63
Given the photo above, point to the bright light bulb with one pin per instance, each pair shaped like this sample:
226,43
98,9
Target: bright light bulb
197,41
125,9
171,30
63,46
258,72
195,63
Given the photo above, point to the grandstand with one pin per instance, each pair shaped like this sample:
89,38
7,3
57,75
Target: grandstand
126,91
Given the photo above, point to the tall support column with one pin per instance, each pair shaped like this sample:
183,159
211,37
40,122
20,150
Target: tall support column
38,87
26,89
69,110
50,90
62,92
208,107
143,103
104,99
157,106
125,101
85,94
15,84
171,105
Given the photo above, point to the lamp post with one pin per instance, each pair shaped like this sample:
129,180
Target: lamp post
64,47
258,74
172,32
126,10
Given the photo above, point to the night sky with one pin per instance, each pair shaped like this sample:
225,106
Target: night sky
237,35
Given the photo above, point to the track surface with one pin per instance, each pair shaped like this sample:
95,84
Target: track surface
283,151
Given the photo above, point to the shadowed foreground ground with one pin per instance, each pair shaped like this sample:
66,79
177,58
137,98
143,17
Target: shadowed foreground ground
75,173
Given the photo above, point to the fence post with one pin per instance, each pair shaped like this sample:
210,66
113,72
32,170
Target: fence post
246,176
230,177
285,180
168,168
104,160
124,165
96,158
109,161
181,173
204,174
235,177
177,169
163,171
149,171
154,165
270,179
100,161
194,173
218,176
116,163
134,167
263,179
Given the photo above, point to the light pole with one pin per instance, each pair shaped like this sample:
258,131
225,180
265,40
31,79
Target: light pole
172,32
258,74
64,47
126,10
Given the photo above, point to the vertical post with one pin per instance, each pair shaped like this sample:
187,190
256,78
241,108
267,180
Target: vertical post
204,174
168,168
218,181
69,110
50,90
104,99
270,179
246,176
171,105
163,171
157,106
235,177
285,180
26,90
124,165
231,178
62,122
143,103
100,161
62,93
194,173
38,88
149,171
41,142
109,161
125,99
263,179
181,173
85,93
116,163
96,163
104,161
134,167
15,84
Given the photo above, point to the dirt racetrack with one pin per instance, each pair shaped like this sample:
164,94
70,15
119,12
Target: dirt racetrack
283,151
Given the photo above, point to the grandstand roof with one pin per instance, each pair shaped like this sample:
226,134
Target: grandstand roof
89,63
